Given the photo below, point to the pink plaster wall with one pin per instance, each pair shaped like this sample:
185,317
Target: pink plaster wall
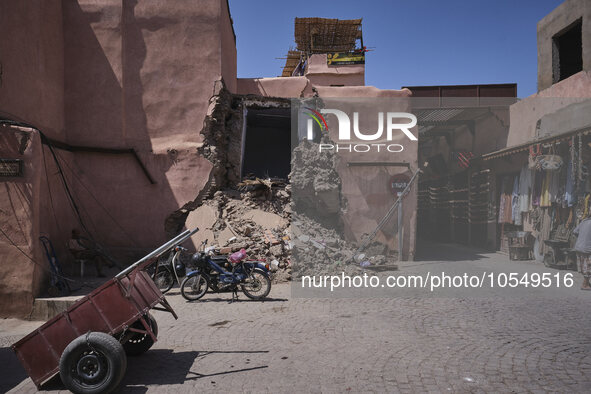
286,87
31,90
525,113
139,74
117,74
321,74
19,213
31,55
228,48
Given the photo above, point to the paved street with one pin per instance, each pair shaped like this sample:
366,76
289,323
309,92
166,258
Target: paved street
407,344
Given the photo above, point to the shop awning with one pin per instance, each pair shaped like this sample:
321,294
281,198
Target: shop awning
525,146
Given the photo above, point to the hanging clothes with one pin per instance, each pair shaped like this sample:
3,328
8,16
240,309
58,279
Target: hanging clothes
525,188
549,189
546,227
554,186
545,194
502,202
570,186
505,200
537,188
515,210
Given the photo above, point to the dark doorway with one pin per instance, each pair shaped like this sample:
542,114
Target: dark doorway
568,52
267,143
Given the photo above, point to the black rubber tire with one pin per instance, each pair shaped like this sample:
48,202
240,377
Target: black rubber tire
141,343
189,292
164,280
263,279
98,351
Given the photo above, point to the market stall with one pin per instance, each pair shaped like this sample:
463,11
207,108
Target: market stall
545,194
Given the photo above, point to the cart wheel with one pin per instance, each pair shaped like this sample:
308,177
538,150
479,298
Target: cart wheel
140,343
93,363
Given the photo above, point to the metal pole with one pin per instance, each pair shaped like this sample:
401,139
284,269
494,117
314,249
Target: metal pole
400,236
163,248
388,215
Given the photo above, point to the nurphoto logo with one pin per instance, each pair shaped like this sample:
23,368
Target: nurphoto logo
390,121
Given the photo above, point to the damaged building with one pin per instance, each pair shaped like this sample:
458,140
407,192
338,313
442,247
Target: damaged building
127,121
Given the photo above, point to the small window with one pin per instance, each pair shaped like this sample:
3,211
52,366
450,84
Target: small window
11,168
567,52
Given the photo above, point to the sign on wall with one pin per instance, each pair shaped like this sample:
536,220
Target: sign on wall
343,58
398,183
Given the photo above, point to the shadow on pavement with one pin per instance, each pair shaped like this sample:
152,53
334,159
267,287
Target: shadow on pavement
164,366
434,251
12,371
218,299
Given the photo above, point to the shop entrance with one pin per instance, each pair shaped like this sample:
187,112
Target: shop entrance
266,152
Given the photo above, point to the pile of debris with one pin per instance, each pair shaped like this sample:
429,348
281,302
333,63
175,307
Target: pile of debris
296,227
255,217
318,250
316,184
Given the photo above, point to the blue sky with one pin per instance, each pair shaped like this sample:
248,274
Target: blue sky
417,42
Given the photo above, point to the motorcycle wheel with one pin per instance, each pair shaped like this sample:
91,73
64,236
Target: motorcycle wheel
164,280
258,287
194,287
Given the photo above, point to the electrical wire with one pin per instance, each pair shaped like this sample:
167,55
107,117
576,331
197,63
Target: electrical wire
65,184
49,191
99,204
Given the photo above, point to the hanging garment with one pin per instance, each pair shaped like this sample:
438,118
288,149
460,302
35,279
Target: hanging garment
537,189
502,202
554,186
505,201
545,228
525,188
569,188
545,194
515,210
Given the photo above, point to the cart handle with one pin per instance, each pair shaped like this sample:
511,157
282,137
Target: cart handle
163,248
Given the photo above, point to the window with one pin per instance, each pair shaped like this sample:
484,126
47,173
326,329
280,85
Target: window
11,168
567,52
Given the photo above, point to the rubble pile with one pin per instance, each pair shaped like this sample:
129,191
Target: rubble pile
295,227
318,250
256,217
316,184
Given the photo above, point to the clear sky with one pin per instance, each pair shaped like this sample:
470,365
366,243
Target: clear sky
417,42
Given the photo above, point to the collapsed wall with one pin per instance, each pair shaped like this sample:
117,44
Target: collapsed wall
319,242
316,184
274,219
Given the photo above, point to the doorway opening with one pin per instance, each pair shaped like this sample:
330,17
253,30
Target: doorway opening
266,152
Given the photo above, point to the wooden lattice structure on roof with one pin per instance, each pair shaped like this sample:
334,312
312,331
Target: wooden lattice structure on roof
292,61
322,35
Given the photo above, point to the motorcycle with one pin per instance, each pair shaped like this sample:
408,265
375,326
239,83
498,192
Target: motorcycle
220,273
169,269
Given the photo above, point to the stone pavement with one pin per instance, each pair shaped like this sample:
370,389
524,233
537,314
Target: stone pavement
403,344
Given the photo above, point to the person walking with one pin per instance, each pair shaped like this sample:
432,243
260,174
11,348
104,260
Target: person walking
583,249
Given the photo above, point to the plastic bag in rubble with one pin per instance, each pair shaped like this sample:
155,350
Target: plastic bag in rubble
236,257
274,265
364,264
